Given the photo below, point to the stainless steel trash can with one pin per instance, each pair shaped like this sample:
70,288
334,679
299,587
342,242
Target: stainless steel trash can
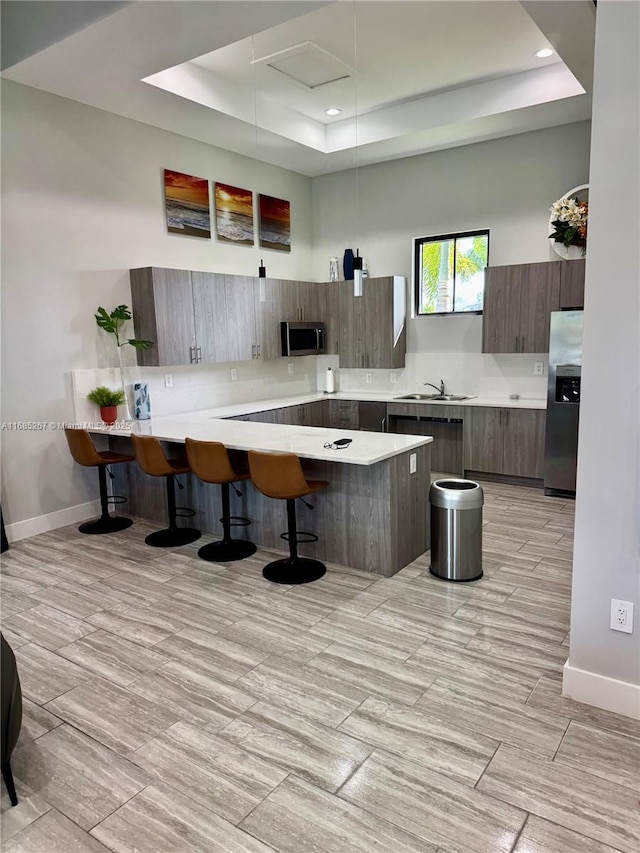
456,529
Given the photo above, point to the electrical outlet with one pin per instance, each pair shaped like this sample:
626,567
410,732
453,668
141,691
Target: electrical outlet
290,368
393,378
621,616
234,374
413,463
538,368
168,380
368,378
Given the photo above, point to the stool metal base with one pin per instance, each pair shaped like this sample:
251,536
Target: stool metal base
106,524
226,551
173,537
294,570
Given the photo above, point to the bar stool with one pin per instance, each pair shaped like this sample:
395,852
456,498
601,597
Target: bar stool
153,461
280,476
84,452
210,463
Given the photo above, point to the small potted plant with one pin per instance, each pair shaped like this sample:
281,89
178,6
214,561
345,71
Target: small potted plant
108,401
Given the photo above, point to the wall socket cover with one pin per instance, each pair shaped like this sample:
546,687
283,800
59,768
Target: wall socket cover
290,367
368,378
234,374
621,616
393,378
168,380
538,368
413,463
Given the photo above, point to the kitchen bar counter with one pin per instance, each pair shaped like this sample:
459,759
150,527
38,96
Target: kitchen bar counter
373,516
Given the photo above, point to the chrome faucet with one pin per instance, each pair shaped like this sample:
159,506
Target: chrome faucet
440,389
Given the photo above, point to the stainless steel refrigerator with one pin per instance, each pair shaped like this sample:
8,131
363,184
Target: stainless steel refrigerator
563,402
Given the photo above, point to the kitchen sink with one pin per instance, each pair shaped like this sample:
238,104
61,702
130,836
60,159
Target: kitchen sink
448,398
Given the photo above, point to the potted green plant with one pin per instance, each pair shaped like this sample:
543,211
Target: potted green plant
114,324
108,401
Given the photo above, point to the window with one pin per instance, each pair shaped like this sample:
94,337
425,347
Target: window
449,273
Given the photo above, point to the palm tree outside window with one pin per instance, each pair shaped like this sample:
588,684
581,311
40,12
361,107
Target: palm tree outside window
449,273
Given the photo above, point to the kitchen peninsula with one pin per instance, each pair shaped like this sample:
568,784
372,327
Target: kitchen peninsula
374,515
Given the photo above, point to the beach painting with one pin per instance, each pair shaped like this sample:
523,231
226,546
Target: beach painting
234,215
275,223
187,204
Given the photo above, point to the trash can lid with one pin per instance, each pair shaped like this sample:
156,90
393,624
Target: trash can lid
454,493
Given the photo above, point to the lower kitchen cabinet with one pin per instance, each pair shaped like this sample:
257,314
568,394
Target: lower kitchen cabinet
507,441
344,414
372,416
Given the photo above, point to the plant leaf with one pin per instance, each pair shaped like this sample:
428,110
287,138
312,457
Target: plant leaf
139,344
104,321
121,312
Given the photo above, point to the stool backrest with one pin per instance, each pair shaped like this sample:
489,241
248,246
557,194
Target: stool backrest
278,475
209,461
11,706
82,447
150,455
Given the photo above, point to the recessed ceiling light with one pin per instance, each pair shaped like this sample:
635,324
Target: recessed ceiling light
544,52
333,111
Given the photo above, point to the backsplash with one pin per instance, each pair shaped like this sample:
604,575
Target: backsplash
480,374
207,385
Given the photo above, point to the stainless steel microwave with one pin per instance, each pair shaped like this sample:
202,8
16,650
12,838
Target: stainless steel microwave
302,338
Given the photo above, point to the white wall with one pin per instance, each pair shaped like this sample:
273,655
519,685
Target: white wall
607,549
82,203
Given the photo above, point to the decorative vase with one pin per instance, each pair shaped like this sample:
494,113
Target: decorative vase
127,411
347,264
109,414
333,269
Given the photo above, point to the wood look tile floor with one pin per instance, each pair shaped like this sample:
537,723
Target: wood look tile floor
176,706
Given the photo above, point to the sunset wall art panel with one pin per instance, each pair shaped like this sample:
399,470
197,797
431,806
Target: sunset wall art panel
234,215
187,204
275,223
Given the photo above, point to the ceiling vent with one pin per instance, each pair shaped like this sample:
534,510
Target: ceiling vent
307,64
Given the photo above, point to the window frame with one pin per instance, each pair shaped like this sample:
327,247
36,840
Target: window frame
418,242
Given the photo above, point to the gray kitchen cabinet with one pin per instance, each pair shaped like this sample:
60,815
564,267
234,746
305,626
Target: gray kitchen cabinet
162,304
372,331
303,301
343,414
267,307
518,301
372,416
252,312
210,314
506,441
572,284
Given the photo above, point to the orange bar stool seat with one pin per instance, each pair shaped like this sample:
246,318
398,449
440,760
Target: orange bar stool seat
280,476
154,461
84,452
210,463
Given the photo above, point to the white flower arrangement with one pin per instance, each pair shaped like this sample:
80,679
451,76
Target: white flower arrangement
569,221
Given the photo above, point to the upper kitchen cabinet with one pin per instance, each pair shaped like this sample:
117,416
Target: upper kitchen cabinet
572,284
303,301
252,318
372,330
518,300
162,302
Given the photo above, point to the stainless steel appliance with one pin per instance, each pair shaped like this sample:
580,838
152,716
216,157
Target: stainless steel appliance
563,402
302,338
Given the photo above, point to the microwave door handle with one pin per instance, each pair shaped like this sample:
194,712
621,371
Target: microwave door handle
319,341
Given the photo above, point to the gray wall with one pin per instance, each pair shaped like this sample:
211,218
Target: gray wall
607,549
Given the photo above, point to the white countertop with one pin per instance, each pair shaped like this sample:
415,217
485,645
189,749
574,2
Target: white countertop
366,448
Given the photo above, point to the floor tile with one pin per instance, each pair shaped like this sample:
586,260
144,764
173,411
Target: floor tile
142,625
115,717
304,691
274,637
527,650
163,820
356,602
494,713
225,659
53,833
417,735
309,750
375,675
541,836
452,816
74,599
210,770
548,695
604,754
48,627
13,603
112,657
194,694
45,675
593,807
299,818
78,776
35,721
415,624
517,622
31,806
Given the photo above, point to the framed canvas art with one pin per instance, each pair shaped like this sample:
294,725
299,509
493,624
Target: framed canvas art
234,215
187,204
275,223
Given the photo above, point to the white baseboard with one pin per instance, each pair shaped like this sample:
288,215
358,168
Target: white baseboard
622,697
51,521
